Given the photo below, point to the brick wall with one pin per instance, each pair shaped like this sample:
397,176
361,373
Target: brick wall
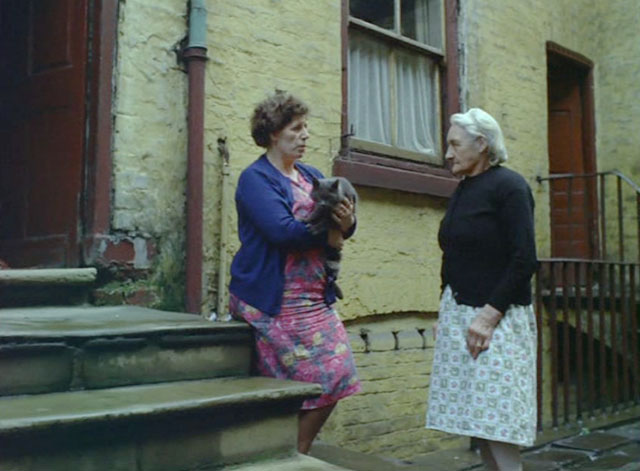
388,417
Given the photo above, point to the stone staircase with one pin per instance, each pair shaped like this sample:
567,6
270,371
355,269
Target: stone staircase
126,388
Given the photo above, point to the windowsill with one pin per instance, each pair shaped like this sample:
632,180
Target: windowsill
393,174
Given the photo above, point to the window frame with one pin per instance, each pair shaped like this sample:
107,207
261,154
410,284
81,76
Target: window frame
369,168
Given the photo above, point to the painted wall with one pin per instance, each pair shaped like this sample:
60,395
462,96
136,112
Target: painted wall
505,72
149,146
617,88
392,263
618,105
390,271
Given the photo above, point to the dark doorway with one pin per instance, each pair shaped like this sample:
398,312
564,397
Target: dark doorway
43,84
571,151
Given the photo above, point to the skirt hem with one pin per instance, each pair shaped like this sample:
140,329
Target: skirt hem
355,389
481,435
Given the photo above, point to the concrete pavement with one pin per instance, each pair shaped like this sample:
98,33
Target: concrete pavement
613,449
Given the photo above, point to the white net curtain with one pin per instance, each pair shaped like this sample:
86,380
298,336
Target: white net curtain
392,89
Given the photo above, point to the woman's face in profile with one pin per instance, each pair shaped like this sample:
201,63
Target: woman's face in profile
291,141
465,153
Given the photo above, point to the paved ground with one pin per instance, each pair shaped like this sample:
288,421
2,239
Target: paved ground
614,449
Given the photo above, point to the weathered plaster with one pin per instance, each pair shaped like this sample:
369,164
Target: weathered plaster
149,148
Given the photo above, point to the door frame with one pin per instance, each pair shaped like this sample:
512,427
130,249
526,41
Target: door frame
95,213
585,65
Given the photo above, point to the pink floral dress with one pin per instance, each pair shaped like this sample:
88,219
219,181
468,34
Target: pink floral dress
306,341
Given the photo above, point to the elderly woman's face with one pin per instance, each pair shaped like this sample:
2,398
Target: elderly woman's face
465,153
291,141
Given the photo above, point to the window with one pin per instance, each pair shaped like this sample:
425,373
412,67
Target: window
394,52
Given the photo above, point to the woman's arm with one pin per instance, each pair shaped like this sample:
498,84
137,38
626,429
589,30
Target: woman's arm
516,218
262,201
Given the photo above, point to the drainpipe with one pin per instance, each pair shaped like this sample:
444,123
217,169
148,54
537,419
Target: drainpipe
195,56
223,150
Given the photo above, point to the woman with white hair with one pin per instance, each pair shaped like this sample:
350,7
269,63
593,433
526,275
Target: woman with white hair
483,382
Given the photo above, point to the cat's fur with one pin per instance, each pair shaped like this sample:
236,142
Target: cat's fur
327,194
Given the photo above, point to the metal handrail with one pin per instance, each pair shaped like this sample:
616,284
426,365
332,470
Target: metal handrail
600,243
618,173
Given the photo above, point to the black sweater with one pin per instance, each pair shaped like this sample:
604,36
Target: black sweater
487,239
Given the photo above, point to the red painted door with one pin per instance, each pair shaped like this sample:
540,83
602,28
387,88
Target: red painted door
571,199
43,65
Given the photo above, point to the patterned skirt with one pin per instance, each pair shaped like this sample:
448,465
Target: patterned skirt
309,345
494,396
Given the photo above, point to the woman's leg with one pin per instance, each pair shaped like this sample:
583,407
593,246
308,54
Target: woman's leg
309,424
486,455
506,456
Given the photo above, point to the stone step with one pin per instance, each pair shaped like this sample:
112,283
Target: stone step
73,348
290,463
178,426
45,286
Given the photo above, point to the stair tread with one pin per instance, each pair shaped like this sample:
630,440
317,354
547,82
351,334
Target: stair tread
293,463
48,276
43,410
89,321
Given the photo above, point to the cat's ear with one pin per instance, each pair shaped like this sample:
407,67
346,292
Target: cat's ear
315,182
335,185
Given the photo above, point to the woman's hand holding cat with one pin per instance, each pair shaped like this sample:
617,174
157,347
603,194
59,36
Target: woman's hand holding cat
343,214
335,239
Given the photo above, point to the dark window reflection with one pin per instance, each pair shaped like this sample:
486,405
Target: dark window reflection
378,12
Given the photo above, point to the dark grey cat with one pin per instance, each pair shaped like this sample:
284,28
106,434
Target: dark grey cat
327,193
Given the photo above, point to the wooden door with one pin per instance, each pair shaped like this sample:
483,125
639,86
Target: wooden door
572,200
43,65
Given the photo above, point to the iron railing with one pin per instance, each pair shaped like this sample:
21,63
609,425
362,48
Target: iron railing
588,308
588,358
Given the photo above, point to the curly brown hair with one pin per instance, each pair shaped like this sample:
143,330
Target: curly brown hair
273,114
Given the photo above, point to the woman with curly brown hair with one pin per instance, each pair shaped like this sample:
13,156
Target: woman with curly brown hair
278,281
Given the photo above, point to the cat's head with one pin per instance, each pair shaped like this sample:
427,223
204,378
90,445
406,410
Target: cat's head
326,191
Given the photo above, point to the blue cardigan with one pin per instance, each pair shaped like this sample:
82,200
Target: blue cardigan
268,230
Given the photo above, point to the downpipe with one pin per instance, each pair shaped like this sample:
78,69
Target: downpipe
195,57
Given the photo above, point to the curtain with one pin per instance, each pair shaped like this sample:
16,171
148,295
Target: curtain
421,15
370,98
416,110
369,89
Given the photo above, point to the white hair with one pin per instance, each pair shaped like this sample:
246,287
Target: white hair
478,122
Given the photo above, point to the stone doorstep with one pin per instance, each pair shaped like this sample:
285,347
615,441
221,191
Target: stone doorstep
174,426
48,276
39,412
46,350
290,463
47,286
56,323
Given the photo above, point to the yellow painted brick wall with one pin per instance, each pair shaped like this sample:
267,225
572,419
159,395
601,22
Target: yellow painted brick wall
617,88
257,46
392,263
388,417
618,103
505,72
149,143
391,266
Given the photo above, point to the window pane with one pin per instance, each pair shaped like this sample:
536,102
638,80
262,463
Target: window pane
378,12
417,107
369,88
421,20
